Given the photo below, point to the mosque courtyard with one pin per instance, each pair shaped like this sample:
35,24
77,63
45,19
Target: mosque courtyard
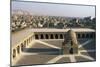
48,51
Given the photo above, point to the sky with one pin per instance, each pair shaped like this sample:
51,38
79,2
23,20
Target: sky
54,9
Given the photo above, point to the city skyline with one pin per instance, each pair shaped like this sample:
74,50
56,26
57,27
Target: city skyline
54,9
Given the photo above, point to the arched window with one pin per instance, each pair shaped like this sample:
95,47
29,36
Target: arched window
91,35
22,47
25,43
56,36
51,36
18,49
42,36
36,36
46,35
83,35
61,36
87,35
14,53
79,36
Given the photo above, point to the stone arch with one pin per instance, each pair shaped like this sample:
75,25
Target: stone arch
91,35
51,36
46,36
36,36
87,35
79,36
83,35
14,53
56,36
61,36
41,36
22,47
18,49
25,43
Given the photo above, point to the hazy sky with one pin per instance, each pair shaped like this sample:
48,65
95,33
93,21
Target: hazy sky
54,9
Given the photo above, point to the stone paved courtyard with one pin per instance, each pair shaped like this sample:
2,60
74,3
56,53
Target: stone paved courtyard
49,51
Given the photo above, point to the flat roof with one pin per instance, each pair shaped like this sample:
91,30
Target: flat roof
63,30
17,37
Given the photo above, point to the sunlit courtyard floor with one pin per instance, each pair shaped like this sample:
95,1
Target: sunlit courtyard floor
49,51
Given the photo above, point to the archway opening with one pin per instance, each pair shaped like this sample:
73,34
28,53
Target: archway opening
25,43
36,36
51,36
61,36
18,49
79,36
91,35
83,35
47,37
87,35
14,53
22,47
42,36
56,36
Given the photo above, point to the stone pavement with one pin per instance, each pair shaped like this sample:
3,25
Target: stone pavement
49,51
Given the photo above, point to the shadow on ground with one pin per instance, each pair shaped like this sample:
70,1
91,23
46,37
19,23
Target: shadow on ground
48,51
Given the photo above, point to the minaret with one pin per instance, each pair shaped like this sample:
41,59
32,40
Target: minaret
70,44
